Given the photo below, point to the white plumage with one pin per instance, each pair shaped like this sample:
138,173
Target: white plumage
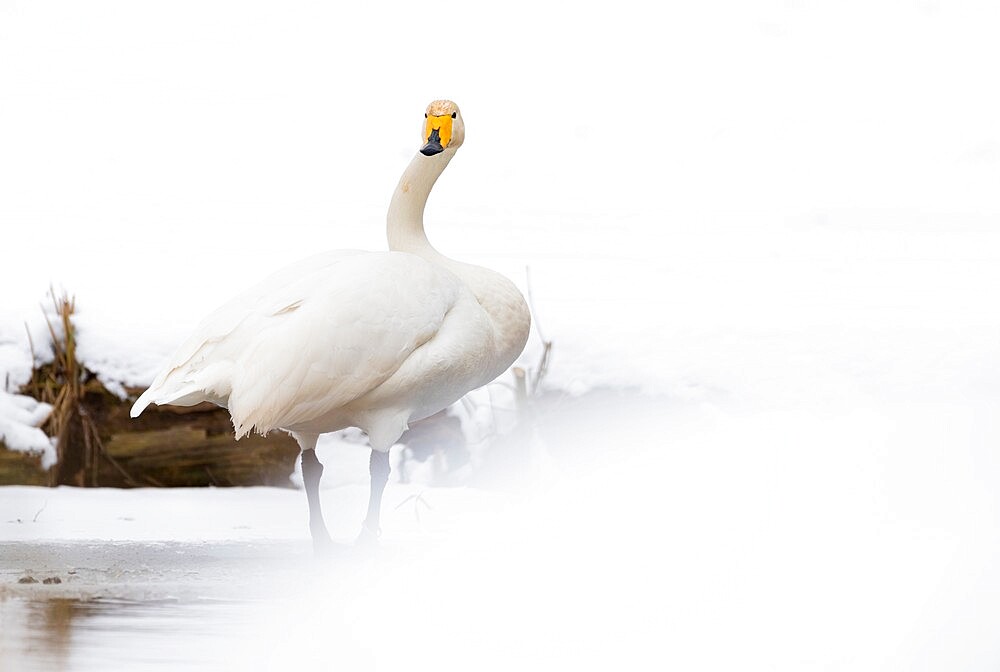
352,338
346,338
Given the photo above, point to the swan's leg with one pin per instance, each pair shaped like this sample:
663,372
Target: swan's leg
378,467
312,472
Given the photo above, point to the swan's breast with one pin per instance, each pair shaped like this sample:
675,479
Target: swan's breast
459,357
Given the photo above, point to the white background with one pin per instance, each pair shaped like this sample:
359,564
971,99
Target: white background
784,217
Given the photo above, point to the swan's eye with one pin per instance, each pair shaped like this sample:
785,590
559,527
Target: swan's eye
454,114
425,115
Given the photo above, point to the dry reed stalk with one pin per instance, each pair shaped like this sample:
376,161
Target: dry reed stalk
543,363
63,384
99,444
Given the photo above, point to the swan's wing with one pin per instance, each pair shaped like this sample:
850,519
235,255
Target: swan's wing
187,379
350,332
309,339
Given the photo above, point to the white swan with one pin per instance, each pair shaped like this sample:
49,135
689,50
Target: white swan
373,340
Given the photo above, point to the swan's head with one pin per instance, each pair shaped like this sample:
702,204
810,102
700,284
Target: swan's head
443,127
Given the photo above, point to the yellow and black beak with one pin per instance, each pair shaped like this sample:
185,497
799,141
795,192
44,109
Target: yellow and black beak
437,132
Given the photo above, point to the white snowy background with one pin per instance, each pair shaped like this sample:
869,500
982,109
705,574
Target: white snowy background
778,220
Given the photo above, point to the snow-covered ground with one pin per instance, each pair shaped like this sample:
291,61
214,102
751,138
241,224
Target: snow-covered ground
772,229
846,539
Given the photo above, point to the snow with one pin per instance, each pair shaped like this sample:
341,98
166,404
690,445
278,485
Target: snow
764,239
743,540
20,417
202,515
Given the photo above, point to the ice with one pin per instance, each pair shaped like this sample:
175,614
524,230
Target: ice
710,541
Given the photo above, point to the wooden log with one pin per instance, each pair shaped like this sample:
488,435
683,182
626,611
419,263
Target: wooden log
17,468
189,455
165,446
193,446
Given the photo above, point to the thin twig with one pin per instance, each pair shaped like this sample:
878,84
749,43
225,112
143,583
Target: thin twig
543,364
31,346
114,463
39,512
543,367
417,500
531,304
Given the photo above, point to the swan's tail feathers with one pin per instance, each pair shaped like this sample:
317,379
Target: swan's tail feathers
188,395
181,390
140,404
148,397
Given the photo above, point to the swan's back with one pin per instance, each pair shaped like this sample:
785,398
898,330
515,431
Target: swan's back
310,339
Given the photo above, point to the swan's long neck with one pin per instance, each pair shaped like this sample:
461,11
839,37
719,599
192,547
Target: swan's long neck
496,294
405,222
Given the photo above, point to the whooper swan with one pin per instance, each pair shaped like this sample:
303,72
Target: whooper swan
350,338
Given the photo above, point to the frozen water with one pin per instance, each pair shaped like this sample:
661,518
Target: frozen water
709,540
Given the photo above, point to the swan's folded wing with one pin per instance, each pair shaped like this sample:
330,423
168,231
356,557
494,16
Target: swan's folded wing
308,341
196,372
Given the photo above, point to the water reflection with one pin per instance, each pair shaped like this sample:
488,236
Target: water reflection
37,630
101,634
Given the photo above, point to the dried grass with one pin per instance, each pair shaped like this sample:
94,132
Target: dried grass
63,383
